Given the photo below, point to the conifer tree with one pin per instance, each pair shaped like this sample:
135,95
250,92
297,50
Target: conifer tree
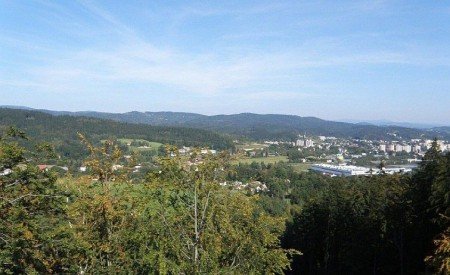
33,226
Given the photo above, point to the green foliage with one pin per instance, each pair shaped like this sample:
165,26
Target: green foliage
260,127
441,256
207,228
379,224
103,161
351,227
436,170
32,210
61,132
180,221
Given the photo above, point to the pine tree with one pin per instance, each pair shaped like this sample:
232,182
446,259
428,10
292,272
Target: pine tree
33,224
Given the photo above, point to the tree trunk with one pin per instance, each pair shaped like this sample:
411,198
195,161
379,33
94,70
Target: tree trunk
196,229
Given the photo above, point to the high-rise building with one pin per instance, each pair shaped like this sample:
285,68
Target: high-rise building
300,143
407,148
417,148
442,145
309,143
390,148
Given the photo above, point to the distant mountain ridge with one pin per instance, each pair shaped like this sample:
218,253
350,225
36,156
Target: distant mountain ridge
152,118
394,123
443,129
264,126
61,131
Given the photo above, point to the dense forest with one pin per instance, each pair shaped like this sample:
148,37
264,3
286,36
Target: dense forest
61,131
267,126
181,219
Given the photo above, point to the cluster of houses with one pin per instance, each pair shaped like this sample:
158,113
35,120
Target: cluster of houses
307,142
413,146
303,141
188,150
46,167
42,167
184,151
252,187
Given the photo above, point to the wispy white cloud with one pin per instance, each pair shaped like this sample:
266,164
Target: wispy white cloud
275,96
207,74
107,17
132,59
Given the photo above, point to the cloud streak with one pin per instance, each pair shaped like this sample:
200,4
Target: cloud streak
132,59
285,51
207,74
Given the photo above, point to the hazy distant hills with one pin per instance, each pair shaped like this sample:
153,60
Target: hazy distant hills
393,123
443,130
266,126
273,126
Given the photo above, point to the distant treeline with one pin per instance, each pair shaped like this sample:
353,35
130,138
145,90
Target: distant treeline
61,131
267,126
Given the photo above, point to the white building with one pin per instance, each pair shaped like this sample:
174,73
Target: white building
417,148
442,145
6,172
336,170
208,151
116,167
350,170
304,143
300,143
184,150
309,143
390,148
407,148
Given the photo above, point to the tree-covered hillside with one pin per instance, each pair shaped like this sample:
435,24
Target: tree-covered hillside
268,126
443,130
152,118
61,131
271,126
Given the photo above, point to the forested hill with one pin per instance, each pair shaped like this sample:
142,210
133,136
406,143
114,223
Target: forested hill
284,126
444,129
62,130
270,126
152,118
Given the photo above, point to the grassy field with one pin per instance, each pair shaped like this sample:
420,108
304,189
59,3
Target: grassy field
266,160
152,146
300,167
251,146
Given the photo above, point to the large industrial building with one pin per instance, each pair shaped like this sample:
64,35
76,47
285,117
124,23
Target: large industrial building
350,170
340,170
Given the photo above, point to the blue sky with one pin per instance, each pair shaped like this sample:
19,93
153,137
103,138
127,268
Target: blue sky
362,60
